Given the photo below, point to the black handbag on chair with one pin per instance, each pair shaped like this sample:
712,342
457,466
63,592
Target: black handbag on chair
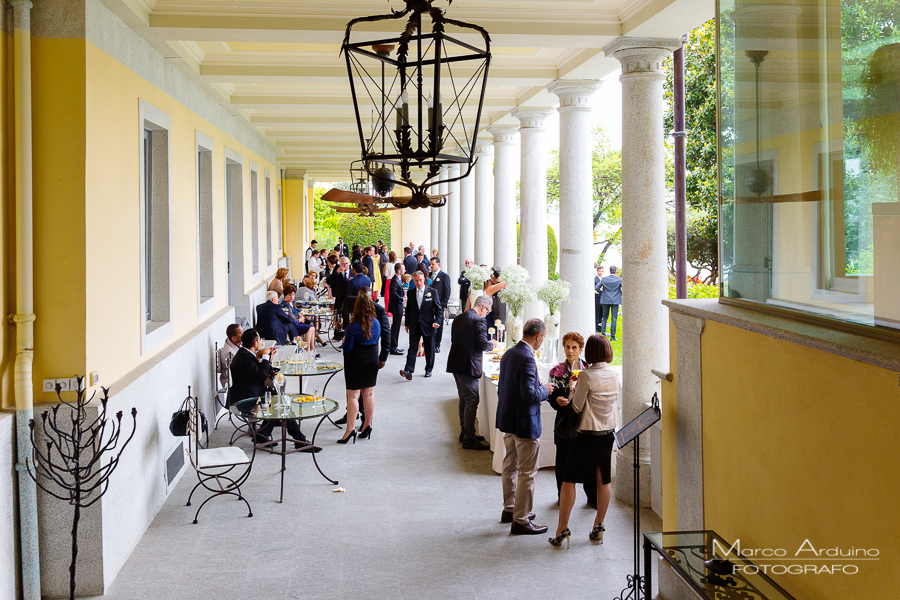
178,425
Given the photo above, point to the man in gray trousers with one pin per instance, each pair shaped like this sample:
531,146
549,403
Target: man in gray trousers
610,299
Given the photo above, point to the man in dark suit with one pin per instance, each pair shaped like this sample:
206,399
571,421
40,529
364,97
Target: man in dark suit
598,289
250,370
464,284
610,299
369,262
409,261
342,248
338,283
520,394
423,313
468,341
422,266
395,306
272,322
359,280
440,281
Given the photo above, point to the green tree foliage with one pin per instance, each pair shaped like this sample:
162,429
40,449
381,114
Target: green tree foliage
700,147
702,249
552,250
329,224
607,188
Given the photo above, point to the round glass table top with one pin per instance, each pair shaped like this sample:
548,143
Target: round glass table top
288,406
319,367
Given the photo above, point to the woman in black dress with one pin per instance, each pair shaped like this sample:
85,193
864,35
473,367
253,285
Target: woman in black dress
361,365
594,398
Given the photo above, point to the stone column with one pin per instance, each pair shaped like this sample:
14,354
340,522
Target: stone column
533,200
504,194
443,218
576,204
450,261
645,344
484,203
435,224
466,220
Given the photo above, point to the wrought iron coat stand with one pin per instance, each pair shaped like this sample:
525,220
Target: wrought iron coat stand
78,456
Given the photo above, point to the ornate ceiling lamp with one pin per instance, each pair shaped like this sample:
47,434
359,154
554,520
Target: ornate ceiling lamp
415,125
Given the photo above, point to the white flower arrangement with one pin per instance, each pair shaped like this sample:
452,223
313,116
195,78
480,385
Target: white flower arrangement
553,293
477,276
514,274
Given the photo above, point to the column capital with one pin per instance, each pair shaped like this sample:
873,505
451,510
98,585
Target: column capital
641,56
504,134
574,93
483,146
293,174
531,117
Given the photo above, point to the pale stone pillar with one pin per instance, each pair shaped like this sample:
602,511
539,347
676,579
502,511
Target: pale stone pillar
644,270
466,220
576,204
484,203
533,200
443,218
450,261
504,194
435,224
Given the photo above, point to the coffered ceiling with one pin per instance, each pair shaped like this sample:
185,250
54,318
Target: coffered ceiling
275,64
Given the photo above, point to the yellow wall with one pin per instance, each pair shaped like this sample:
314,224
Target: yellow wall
294,197
7,221
58,102
801,444
108,218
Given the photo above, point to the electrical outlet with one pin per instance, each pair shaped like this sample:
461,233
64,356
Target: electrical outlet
73,384
49,385
63,384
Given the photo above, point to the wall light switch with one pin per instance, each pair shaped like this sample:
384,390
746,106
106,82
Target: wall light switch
49,385
95,378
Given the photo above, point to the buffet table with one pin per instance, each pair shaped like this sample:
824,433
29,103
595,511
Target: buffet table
487,417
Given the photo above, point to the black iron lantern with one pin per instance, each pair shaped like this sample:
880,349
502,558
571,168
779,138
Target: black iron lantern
422,86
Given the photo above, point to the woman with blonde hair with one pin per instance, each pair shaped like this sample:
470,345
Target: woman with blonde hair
281,279
361,366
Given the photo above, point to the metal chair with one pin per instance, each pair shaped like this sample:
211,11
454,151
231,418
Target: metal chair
221,471
220,394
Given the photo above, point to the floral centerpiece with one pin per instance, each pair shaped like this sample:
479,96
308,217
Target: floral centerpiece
477,277
515,295
553,293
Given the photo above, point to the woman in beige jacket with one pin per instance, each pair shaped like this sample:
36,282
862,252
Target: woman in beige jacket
594,398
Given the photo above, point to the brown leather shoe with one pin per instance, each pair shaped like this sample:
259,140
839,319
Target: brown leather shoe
507,517
528,529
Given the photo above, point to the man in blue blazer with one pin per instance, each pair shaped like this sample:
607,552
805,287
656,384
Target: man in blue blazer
520,395
272,322
423,313
610,299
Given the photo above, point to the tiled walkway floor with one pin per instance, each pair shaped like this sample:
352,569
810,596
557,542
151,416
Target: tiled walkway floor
420,518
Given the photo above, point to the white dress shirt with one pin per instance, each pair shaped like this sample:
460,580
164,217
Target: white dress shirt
596,392
420,294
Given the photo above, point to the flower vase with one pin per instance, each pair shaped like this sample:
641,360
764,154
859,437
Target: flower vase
513,330
552,323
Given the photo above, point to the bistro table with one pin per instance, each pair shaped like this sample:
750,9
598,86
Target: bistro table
687,551
317,368
283,409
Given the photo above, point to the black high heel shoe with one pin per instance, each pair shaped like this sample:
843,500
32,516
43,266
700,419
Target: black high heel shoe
597,533
347,439
558,540
366,433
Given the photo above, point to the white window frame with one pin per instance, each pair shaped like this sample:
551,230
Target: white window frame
255,258
204,143
270,219
159,327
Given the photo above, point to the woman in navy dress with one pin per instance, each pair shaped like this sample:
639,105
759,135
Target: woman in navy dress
361,366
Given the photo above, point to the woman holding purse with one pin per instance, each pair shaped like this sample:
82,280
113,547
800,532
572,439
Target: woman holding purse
565,428
594,399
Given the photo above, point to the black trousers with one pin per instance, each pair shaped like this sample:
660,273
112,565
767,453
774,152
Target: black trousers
267,426
609,310
598,315
467,390
396,324
562,453
415,334
439,334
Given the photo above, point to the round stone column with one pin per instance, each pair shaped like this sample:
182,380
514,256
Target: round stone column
644,270
443,217
576,204
533,200
466,221
484,203
504,194
450,261
435,223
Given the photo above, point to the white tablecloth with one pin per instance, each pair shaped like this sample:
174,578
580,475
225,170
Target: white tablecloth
487,418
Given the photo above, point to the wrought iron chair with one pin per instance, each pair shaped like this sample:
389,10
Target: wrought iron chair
221,471
220,390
